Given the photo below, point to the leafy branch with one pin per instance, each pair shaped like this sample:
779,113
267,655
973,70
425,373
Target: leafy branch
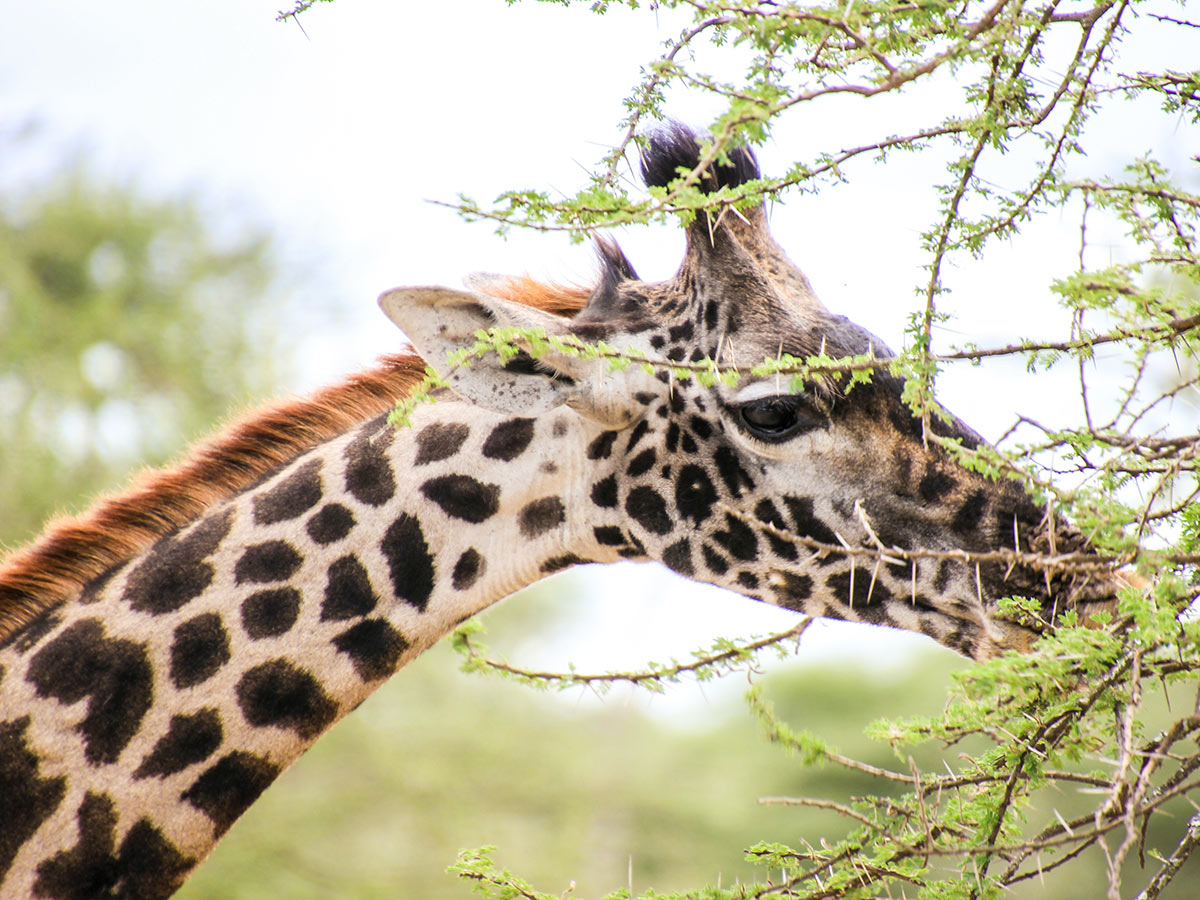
723,657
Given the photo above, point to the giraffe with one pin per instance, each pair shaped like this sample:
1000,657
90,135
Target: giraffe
167,654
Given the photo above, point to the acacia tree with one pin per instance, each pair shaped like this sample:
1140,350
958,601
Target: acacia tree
1111,710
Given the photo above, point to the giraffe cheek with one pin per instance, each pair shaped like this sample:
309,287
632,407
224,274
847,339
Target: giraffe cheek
648,508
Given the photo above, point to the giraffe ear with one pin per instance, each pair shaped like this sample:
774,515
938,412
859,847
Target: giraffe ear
440,321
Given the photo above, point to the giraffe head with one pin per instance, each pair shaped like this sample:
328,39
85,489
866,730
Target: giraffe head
790,497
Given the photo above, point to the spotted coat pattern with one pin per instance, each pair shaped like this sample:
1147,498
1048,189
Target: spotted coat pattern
141,717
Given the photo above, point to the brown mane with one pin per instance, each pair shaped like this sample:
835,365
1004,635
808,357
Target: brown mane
560,299
75,550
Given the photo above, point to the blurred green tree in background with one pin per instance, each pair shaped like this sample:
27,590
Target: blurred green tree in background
128,327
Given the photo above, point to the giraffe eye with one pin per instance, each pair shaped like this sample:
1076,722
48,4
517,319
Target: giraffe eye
775,419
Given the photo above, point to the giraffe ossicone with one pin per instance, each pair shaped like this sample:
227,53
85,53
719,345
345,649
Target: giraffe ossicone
166,655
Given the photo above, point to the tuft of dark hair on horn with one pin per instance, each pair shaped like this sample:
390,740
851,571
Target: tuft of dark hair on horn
675,145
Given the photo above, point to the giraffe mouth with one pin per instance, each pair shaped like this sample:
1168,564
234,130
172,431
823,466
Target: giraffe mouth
1075,579
1090,592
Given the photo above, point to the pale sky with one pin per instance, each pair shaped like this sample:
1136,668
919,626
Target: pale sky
335,136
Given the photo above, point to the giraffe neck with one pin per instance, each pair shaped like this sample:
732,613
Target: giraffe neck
140,719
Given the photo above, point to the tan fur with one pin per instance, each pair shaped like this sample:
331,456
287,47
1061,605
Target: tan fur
74,550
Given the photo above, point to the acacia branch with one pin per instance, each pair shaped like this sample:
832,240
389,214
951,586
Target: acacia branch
739,653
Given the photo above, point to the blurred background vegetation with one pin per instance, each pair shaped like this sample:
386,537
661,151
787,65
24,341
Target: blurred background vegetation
130,326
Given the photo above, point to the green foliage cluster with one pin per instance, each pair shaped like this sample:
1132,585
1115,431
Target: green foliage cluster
1083,752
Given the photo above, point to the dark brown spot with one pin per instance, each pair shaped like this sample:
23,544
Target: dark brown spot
374,648
804,523
463,497
609,535
266,562
641,464
601,447
681,332
174,571
558,563
439,441
864,594
678,557
348,591
369,475
114,674
970,512
737,539
270,613
604,492
146,866
716,563
648,509
731,471
672,439
766,512
410,564
694,493
189,740
639,431
291,497
228,788
540,516
26,799
794,590
935,485
280,694
198,651
508,440
467,570
332,523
